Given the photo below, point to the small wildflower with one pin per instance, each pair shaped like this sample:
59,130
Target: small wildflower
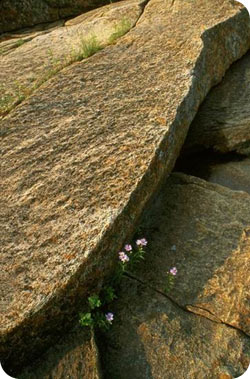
173,248
173,271
141,242
123,257
109,317
128,247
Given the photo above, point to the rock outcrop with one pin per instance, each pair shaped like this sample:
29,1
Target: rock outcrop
223,120
17,14
194,329
82,156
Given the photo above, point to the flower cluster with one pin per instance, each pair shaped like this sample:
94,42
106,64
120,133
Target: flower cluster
131,256
96,316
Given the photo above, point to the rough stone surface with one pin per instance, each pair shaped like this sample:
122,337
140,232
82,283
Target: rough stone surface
26,67
209,227
75,356
223,120
83,155
151,338
17,14
235,175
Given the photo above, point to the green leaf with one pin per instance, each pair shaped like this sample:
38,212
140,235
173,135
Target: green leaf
94,301
86,319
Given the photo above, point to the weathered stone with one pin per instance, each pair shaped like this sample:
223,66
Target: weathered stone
210,227
27,62
83,155
17,14
223,120
153,338
75,356
235,175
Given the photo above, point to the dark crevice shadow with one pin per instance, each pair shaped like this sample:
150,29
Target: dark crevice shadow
200,164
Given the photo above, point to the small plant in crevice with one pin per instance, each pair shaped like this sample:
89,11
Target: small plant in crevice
120,29
99,315
19,42
170,280
86,48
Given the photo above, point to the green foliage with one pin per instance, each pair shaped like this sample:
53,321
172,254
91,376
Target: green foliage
169,283
86,48
19,42
120,29
94,301
108,294
86,319
96,316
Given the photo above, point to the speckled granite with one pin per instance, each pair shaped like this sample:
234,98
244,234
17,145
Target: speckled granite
24,68
152,338
83,155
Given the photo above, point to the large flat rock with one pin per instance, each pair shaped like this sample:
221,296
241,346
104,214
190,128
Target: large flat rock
83,155
29,59
223,120
152,338
203,229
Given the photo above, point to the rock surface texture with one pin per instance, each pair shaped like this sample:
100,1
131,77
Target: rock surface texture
16,14
75,356
235,175
28,60
195,329
153,338
82,156
210,226
223,120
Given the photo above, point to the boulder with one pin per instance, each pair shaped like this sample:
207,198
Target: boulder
82,156
223,120
151,337
17,14
209,227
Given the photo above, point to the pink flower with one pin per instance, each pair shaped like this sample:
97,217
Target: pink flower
123,257
128,247
141,242
173,271
109,317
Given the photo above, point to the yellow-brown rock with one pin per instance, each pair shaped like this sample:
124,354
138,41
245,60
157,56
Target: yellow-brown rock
152,338
83,155
30,58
